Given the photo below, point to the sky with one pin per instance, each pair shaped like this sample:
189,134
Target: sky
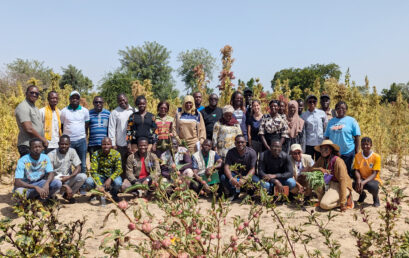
369,37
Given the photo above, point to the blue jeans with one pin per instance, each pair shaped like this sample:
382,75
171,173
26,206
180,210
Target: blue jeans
227,184
80,147
115,185
269,186
349,159
54,186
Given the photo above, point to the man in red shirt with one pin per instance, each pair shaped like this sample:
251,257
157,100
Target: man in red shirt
142,167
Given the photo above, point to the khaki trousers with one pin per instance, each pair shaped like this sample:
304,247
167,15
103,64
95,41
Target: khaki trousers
331,197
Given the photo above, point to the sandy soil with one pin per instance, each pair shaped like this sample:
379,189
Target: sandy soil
341,225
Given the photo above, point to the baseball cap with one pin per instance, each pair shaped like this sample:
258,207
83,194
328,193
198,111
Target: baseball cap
74,92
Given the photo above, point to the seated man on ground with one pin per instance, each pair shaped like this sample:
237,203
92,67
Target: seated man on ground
34,173
206,164
339,193
367,165
106,170
142,167
275,169
300,162
62,159
240,166
181,155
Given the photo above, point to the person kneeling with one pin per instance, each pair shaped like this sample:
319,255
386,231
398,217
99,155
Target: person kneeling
62,159
142,167
367,165
275,169
34,173
205,164
300,162
106,168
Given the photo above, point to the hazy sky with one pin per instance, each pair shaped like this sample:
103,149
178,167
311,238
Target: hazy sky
369,37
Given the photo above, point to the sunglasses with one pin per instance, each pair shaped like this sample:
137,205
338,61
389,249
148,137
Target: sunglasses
34,93
98,102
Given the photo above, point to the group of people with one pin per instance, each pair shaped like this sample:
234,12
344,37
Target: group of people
209,145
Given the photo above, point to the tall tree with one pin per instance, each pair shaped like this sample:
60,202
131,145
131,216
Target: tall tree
21,71
150,61
305,77
74,77
115,83
192,59
389,95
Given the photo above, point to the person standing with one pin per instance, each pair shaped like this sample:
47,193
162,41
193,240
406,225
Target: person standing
198,101
239,110
300,106
344,131
211,114
225,131
117,125
282,109
296,129
165,127
75,121
325,102
98,125
315,124
248,98
190,125
253,126
51,118
273,126
29,121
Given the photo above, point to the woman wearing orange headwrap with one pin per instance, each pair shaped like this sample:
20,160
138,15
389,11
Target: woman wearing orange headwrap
190,126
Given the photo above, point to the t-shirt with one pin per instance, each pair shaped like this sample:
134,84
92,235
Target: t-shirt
55,130
366,165
341,131
98,126
74,122
143,172
248,160
28,112
30,170
210,117
62,162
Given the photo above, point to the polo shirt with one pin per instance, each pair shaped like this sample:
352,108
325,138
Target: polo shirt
98,126
74,122
248,160
315,123
210,117
28,112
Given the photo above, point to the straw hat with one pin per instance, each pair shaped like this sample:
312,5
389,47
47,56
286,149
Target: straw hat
327,142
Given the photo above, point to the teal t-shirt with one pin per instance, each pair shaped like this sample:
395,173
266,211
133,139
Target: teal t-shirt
341,131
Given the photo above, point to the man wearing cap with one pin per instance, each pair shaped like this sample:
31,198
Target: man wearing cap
211,114
198,101
301,162
315,124
324,102
75,120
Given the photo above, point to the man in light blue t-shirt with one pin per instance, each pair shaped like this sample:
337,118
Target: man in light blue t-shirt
34,173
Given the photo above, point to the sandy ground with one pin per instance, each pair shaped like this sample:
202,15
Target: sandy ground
341,225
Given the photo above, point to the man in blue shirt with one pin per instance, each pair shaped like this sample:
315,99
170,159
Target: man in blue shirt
98,125
34,173
198,101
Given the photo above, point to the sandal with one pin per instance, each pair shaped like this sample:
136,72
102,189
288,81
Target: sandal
350,202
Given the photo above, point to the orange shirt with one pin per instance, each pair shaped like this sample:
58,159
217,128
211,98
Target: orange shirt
366,165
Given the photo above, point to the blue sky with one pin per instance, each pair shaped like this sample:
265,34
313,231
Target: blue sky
369,37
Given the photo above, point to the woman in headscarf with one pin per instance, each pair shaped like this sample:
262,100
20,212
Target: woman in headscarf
224,132
190,126
295,127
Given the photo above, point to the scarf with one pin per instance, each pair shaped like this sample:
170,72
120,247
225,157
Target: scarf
48,121
295,123
233,121
189,98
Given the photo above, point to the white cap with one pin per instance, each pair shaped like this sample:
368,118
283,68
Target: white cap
296,147
74,92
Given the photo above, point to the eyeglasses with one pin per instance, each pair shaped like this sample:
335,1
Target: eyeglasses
312,102
34,93
297,153
98,102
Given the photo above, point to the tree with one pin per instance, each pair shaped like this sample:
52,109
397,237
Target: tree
390,95
305,77
190,60
150,62
115,83
74,77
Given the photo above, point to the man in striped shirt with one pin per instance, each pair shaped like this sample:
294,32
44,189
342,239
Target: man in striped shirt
98,125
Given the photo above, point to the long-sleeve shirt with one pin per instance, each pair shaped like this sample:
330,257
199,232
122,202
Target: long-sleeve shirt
280,166
118,122
182,156
109,166
134,166
141,126
315,124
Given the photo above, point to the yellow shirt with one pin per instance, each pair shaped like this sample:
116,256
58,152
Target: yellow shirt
366,165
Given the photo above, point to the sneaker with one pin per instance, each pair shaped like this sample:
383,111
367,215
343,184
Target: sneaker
362,197
93,198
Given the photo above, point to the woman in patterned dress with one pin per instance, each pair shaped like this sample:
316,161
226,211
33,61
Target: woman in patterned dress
273,126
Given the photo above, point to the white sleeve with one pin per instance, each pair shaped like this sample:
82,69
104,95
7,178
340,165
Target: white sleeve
42,113
112,127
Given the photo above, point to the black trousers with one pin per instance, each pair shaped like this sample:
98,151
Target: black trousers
372,187
313,153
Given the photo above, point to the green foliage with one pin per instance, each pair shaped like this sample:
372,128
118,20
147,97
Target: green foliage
74,77
305,77
191,59
150,62
390,95
315,179
115,83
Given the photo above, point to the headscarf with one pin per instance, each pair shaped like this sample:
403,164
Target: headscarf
233,121
295,123
188,98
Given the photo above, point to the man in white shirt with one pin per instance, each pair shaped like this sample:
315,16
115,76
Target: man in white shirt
315,124
75,120
50,116
63,159
118,122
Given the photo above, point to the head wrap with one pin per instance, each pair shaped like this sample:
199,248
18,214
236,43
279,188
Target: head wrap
228,109
233,120
295,123
189,98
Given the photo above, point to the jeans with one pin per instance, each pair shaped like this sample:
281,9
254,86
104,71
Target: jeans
80,147
348,159
54,186
372,187
227,184
76,182
269,186
115,185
